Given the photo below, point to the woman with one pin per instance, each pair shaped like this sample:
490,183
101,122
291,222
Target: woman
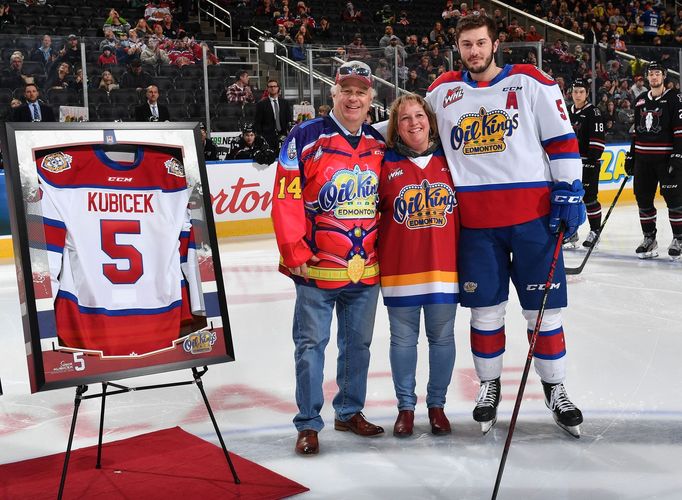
418,230
60,78
107,81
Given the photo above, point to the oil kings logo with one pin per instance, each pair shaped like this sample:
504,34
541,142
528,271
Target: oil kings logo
174,167
350,194
483,132
56,162
199,342
424,205
453,95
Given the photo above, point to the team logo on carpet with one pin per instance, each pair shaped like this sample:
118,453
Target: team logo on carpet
200,342
483,132
470,286
453,95
56,162
424,205
174,167
350,194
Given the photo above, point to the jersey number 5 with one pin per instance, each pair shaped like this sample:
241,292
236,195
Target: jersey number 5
560,107
109,229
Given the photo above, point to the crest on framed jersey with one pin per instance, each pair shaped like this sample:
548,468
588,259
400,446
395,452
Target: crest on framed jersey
117,259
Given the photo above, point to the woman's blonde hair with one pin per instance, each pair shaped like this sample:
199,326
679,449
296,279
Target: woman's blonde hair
392,131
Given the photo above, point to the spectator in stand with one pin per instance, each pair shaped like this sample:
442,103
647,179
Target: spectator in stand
356,50
143,29
436,58
532,35
403,20
136,78
273,116
283,36
619,43
152,110
14,103
413,84
303,20
240,92
60,78
424,45
45,54
385,15
390,51
15,75
651,21
286,19
169,27
424,71
110,39
323,32
135,45
107,57
180,54
437,30
299,52
6,16
450,14
153,54
116,23
155,10
350,14
33,110
163,40
265,8
638,87
198,50
388,33
107,82
323,110
305,31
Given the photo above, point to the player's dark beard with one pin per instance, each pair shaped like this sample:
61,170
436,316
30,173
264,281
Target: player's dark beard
486,64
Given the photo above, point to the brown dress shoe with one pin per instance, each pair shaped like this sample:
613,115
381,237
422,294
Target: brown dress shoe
307,443
404,424
358,425
439,422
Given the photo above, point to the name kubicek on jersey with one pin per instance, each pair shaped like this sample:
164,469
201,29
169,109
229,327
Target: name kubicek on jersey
483,132
424,205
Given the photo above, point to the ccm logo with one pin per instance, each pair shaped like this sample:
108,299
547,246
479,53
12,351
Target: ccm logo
559,198
538,286
120,179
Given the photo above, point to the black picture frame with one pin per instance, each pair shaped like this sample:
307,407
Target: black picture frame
213,342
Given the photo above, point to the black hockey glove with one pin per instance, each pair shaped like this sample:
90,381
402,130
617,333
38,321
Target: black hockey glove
675,163
629,164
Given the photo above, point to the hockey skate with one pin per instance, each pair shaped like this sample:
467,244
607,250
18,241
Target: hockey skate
571,243
647,248
485,412
565,413
592,240
675,249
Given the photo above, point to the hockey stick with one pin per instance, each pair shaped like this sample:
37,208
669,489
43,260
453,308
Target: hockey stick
529,358
579,269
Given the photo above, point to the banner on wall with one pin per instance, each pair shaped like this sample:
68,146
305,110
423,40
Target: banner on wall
241,191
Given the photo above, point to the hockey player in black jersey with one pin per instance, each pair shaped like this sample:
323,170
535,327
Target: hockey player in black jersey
588,125
656,158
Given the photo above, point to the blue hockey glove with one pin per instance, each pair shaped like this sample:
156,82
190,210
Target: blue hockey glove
566,205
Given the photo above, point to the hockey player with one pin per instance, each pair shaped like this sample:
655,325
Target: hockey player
325,216
656,158
516,169
588,126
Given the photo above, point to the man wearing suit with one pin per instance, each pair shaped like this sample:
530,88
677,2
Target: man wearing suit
152,110
33,110
273,115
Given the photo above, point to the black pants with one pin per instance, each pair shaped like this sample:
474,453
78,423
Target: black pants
591,186
649,174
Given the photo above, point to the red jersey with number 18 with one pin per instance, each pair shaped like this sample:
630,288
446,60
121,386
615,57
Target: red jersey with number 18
116,234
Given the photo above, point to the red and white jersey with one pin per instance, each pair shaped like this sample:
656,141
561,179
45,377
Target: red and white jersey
116,234
506,142
418,231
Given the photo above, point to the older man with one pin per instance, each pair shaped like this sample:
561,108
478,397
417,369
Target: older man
325,219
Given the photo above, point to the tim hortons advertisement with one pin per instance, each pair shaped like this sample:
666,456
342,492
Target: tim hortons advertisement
117,258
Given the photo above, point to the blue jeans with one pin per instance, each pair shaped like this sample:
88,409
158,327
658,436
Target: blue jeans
440,332
355,310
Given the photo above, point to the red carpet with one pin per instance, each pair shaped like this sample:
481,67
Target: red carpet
166,464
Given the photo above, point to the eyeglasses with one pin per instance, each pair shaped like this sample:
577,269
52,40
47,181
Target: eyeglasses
273,86
354,70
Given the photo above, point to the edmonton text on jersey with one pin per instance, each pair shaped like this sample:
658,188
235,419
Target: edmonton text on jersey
424,205
350,193
483,132
137,203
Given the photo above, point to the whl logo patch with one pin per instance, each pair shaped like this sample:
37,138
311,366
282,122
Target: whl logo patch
453,95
